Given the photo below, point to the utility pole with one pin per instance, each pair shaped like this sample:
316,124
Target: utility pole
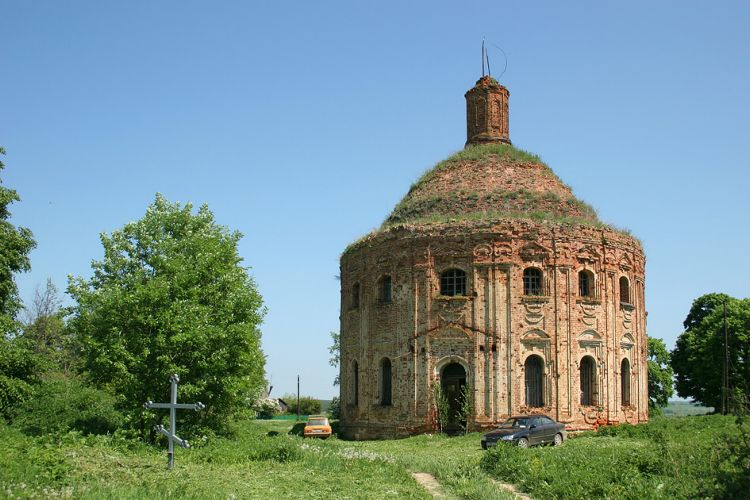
297,398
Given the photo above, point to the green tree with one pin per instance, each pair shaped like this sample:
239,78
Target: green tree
334,409
698,357
170,296
308,405
46,331
660,376
15,245
335,351
19,366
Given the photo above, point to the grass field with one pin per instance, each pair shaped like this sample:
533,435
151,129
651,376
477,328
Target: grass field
668,457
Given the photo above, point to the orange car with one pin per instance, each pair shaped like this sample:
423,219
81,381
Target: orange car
317,426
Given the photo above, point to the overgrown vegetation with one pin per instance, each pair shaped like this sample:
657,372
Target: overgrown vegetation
462,205
677,457
466,408
669,457
308,405
62,404
442,407
261,461
493,205
482,153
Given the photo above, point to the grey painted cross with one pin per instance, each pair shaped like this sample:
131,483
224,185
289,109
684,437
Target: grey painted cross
173,407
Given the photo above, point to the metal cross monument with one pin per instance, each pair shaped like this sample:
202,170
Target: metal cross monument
173,407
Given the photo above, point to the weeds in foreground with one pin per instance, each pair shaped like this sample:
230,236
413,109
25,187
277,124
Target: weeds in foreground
687,457
665,458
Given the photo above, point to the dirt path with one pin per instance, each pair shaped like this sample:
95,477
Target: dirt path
510,489
428,482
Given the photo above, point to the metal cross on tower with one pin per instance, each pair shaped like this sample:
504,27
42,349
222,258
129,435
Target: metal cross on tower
173,407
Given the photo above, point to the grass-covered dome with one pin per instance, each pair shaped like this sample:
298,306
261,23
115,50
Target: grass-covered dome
490,182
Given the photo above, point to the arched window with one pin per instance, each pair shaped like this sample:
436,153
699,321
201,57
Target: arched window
624,290
453,282
532,281
588,381
625,382
385,382
586,283
355,296
355,385
534,372
386,290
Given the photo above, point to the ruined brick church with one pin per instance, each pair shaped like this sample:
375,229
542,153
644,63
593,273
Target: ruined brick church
491,279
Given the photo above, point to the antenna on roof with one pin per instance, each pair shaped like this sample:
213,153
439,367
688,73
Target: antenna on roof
487,56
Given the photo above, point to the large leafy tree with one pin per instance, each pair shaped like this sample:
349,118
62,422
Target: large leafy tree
19,366
15,245
171,296
660,375
698,357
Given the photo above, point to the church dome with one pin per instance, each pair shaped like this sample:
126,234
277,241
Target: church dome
490,182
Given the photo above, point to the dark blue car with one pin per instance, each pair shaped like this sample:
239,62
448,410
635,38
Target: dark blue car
526,430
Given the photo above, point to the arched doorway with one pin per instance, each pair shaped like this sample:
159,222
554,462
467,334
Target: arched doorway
534,371
453,382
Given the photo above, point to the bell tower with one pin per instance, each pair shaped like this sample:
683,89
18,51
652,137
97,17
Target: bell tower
487,113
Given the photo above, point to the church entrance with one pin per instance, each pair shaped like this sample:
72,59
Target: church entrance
453,382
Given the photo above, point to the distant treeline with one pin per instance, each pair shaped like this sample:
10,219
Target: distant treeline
685,409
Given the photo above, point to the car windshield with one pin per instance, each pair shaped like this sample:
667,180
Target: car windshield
515,423
317,421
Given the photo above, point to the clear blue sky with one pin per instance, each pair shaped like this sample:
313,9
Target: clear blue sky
302,124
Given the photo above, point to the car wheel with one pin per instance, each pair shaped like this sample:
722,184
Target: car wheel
484,446
558,440
523,443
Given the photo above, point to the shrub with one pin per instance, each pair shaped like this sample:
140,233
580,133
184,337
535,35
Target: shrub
26,460
266,407
19,374
249,448
334,409
66,404
308,405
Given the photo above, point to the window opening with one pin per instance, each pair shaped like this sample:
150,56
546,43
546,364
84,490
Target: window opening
586,284
532,281
355,393
588,381
453,282
386,290
355,296
624,290
385,386
625,382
